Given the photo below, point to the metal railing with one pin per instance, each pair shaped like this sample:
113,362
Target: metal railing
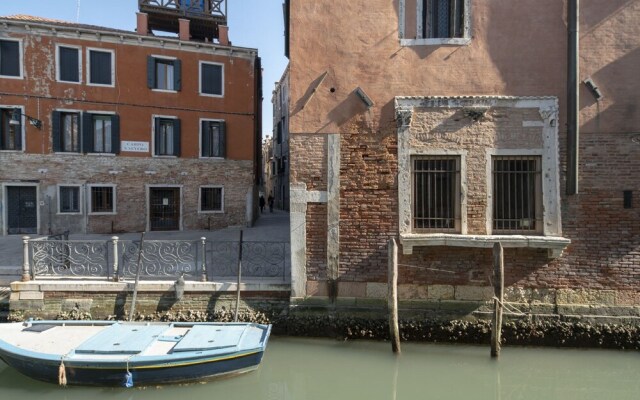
116,259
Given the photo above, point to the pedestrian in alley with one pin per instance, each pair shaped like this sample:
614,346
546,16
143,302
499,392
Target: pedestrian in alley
261,202
271,202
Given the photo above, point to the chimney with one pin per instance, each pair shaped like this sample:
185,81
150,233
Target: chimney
184,29
143,23
223,35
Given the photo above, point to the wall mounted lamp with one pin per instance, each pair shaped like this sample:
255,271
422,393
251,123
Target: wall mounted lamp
15,119
595,91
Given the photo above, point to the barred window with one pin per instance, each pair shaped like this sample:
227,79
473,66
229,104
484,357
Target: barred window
436,193
517,194
69,199
102,199
442,18
211,199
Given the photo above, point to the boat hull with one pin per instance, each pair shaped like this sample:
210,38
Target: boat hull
186,371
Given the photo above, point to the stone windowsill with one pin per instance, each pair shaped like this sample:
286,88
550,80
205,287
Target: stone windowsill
555,244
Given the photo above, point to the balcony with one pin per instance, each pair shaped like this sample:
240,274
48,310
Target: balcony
204,15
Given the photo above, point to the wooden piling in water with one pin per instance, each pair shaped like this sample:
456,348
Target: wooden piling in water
498,298
392,300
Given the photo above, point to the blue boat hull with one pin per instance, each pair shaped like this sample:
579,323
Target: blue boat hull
143,375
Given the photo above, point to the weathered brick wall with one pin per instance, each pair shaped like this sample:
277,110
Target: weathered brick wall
309,160
130,175
316,241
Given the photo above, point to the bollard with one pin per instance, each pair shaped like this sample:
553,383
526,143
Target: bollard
114,242
204,258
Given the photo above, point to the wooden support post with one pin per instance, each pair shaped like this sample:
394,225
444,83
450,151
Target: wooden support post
392,300
239,278
498,276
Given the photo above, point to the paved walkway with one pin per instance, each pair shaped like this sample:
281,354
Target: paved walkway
270,227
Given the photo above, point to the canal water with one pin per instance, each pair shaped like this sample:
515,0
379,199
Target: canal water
322,369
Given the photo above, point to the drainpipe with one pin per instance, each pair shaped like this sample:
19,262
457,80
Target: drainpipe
573,112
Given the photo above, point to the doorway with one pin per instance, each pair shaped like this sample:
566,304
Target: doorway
164,209
22,210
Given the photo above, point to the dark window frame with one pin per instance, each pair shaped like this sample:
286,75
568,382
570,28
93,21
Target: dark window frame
89,142
210,145
66,204
97,68
211,199
163,146
60,142
153,72
207,84
63,64
10,135
443,19
9,67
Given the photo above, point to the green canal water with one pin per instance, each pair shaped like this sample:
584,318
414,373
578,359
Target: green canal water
310,369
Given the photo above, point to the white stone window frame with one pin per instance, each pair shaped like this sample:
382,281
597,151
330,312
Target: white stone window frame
80,71
153,135
23,120
200,138
421,41
90,199
20,61
222,78
113,66
59,198
164,58
462,201
200,210
551,237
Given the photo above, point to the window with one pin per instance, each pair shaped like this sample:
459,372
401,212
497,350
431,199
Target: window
167,136
442,18
69,67
65,131
163,74
436,193
517,194
101,67
211,79
211,199
10,135
10,58
102,199
213,139
101,133
69,199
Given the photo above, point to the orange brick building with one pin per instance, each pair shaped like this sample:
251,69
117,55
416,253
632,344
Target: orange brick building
135,131
451,125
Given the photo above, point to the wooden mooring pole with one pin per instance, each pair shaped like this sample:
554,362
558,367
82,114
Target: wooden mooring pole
239,278
392,301
498,299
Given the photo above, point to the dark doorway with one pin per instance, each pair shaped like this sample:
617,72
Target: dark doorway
164,209
22,210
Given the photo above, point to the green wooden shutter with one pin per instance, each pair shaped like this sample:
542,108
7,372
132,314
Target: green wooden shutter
56,143
115,134
176,137
177,72
87,133
157,136
222,152
151,72
206,139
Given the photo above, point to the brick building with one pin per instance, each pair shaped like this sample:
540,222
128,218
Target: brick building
279,156
134,131
454,124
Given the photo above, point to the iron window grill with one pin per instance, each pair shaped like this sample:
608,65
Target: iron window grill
102,199
443,18
517,190
69,199
436,194
211,199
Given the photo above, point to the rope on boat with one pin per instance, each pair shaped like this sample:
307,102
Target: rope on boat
507,306
128,376
62,374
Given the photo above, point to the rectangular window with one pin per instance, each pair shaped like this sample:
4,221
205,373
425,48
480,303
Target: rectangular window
443,18
102,199
68,64
211,199
10,62
213,138
100,133
10,135
101,68
66,131
436,193
167,137
517,194
69,197
163,74
211,79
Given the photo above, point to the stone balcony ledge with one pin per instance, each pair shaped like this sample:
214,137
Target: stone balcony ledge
554,244
69,285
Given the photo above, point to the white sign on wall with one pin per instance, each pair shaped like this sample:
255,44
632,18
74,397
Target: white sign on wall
138,147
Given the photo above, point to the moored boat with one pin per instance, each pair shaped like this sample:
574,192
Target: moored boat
111,353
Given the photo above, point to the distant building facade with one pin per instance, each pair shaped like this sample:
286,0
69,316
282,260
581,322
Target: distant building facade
280,144
452,125
136,132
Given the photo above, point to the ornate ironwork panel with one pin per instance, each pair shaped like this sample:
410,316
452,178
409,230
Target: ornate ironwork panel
206,7
259,259
69,258
160,259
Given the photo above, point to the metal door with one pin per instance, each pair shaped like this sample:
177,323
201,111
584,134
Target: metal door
22,210
164,209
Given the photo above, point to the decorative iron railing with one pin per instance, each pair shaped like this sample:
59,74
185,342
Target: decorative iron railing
216,8
117,259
